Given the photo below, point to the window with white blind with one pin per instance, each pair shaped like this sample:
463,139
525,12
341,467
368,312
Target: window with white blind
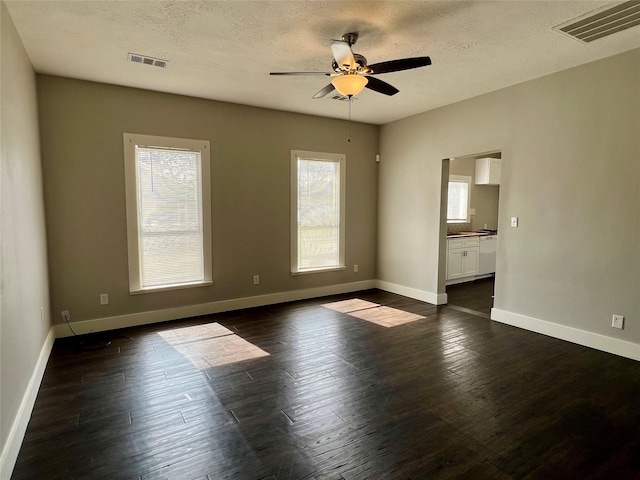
317,211
168,201
458,199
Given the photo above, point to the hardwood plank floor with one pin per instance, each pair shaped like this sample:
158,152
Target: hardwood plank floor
452,395
476,296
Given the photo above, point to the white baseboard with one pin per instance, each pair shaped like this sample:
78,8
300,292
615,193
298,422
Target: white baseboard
570,334
156,316
19,427
429,297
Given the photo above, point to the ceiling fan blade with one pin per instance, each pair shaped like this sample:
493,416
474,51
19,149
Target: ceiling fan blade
325,91
398,65
343,55
300,73
379,86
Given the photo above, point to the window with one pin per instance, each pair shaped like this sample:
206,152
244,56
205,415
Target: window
317,211
168,200
458,199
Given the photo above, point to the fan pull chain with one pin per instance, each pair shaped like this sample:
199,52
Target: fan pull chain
350,100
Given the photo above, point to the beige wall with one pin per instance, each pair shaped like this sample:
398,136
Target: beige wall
570,172
23,260
81,130
410,235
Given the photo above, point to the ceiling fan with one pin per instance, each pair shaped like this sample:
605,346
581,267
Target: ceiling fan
351,73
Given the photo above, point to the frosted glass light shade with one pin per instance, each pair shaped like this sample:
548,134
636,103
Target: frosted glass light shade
349,84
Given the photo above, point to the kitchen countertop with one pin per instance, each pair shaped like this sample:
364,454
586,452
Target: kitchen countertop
469,234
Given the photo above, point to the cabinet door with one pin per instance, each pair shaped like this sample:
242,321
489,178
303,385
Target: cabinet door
488,171
470,260
454,263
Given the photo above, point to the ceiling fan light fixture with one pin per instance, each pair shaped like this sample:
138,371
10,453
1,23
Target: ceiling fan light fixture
349,84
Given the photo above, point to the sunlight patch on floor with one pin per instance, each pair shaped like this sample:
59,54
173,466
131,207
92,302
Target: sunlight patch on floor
211,345
373,312
347,306
386,316
195,333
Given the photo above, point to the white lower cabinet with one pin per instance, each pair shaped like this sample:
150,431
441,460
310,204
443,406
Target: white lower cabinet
462,257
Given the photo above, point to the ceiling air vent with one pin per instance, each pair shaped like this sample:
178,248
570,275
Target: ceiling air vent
602,22
156,62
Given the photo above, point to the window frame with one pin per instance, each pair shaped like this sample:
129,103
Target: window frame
460,179
130,142
341,159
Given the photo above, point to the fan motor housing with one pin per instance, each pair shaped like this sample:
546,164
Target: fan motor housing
360,60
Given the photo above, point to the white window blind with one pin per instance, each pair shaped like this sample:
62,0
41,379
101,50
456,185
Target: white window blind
169,217
168,228
458,199
318,207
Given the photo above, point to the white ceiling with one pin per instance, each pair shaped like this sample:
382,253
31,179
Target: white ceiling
224,50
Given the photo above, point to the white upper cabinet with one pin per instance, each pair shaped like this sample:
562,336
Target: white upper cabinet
488,171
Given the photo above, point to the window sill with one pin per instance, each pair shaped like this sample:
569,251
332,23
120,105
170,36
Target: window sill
319,270
165,288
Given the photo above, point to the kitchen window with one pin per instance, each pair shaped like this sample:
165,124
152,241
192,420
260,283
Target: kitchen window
458,199
317,211
168,200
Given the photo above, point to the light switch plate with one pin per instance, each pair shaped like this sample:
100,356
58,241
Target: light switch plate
514,221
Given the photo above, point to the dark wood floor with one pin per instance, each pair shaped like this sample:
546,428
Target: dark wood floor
476,297
453,395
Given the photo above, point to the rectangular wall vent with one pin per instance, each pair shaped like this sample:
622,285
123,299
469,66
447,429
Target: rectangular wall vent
155,62
602,22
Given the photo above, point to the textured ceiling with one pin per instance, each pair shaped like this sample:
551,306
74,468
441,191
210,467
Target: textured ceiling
224,50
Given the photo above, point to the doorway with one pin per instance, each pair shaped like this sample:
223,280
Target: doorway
469,230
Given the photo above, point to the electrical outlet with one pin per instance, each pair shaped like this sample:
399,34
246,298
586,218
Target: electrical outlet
66,316
514,221
618,321
104,299
256,279
355,268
